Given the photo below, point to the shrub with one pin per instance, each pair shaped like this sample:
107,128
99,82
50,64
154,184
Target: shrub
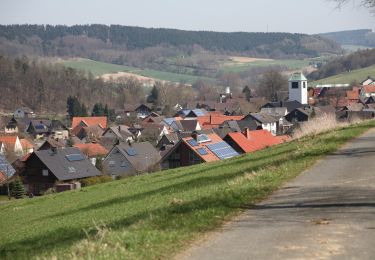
318,125
17,190
95,180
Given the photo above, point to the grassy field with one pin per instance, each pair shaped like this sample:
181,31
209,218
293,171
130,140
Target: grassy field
291,64
155,216
353,48
95,67
348,77
99,68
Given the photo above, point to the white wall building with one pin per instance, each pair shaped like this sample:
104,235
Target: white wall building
298,88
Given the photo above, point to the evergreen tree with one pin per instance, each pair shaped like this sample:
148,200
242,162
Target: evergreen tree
247,91
154,95
83,110
18,190
99,163
106,111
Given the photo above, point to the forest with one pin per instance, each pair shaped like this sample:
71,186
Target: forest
46,87
356,60
363,37
103,40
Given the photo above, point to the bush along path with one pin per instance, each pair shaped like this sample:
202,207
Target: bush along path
155,216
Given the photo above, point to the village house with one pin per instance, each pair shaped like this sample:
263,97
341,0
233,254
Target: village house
6,170
46,169
24,112
127,159
44,128
93,151
367,82
51,143
267,122
197,148
367,91
10,144
137,110
251,141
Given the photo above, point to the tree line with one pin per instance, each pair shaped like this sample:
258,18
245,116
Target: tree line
130,38
52,88
356,60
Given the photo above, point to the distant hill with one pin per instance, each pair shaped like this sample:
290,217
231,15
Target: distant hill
363,37
354,61
348,77
105,42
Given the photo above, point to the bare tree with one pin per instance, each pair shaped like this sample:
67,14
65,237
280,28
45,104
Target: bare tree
367,3
271,85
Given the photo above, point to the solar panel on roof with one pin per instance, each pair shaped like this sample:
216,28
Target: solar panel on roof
39,127
198,112
222,150
202,151
74,157
192,142
131,151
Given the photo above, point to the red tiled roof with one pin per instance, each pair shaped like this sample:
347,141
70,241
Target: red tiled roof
92,150
25,157
90,121
256,140
213,121
8,140
2,177
26,144
369,89
210,156
352,95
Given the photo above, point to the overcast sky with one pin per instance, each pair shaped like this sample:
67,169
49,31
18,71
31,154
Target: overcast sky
302,16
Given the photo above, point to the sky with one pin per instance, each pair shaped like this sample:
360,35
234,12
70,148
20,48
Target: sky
296,16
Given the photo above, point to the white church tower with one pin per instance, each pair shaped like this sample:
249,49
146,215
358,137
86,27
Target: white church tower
298,88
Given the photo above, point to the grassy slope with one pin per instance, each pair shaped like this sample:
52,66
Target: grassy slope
291,64
154,216
348,77
99,68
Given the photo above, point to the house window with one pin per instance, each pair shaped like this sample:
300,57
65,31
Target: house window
295,84
45,172
304,84
112,163
123,164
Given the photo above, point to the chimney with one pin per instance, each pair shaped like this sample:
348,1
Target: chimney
194,135
246,133
53,150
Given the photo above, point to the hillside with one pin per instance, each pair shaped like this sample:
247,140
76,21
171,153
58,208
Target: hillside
353,61
363,37
348,77
154,216
101,68
96,40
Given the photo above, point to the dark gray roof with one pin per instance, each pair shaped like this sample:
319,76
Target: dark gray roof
277,111
290,105
146,155
263,118
6,167
62,168
188,125
120,131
